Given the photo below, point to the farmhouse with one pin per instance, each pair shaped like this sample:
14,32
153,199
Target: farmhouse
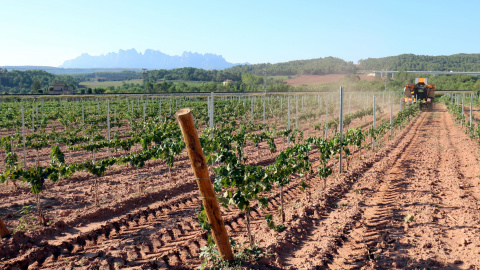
227,82
60,89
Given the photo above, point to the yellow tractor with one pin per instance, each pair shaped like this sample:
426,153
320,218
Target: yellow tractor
421,92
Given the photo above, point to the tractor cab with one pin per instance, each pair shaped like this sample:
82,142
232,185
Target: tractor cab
421,92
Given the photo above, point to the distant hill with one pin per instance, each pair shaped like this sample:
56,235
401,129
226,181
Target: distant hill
317,66
411,62
151,59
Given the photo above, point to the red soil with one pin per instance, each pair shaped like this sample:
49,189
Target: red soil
428,170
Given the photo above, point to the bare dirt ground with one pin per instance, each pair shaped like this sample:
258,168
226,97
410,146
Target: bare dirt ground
416,208
412,204
321,79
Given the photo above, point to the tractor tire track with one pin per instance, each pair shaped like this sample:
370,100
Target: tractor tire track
365,243
325,229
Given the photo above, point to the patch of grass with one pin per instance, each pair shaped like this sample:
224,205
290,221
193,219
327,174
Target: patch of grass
28,220
409,218
241,252
298,204
341,205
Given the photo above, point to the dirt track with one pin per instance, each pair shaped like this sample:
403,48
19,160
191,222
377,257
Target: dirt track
429,171
432,174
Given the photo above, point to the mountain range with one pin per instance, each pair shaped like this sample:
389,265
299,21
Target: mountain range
150,59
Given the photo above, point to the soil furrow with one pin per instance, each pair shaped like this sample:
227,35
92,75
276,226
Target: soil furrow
326,231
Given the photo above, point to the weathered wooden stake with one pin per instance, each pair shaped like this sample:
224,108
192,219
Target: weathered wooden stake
200,170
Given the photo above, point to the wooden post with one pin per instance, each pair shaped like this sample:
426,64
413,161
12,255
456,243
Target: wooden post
200,170
108,126
3,229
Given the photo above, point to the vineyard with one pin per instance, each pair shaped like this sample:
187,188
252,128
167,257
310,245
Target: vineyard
106,183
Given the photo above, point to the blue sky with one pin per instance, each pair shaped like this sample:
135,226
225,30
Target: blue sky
48,32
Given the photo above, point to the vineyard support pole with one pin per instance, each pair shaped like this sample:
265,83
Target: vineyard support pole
296,113
3,229
374,113
264,113
200,170
212,110
83,120
251,101
159,109
463,108
144,109
208,110
288,124
391,118
108,126
24,140
341,130
326,117
33,118
281,108
471,111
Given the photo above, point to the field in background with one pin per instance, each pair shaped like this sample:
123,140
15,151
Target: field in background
294,81
321,79
109,83
135,81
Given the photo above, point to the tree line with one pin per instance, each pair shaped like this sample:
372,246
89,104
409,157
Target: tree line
191,74
124,75
441,82
411,62
318,66
24,82
247,83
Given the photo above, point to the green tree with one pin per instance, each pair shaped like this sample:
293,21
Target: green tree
36,86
